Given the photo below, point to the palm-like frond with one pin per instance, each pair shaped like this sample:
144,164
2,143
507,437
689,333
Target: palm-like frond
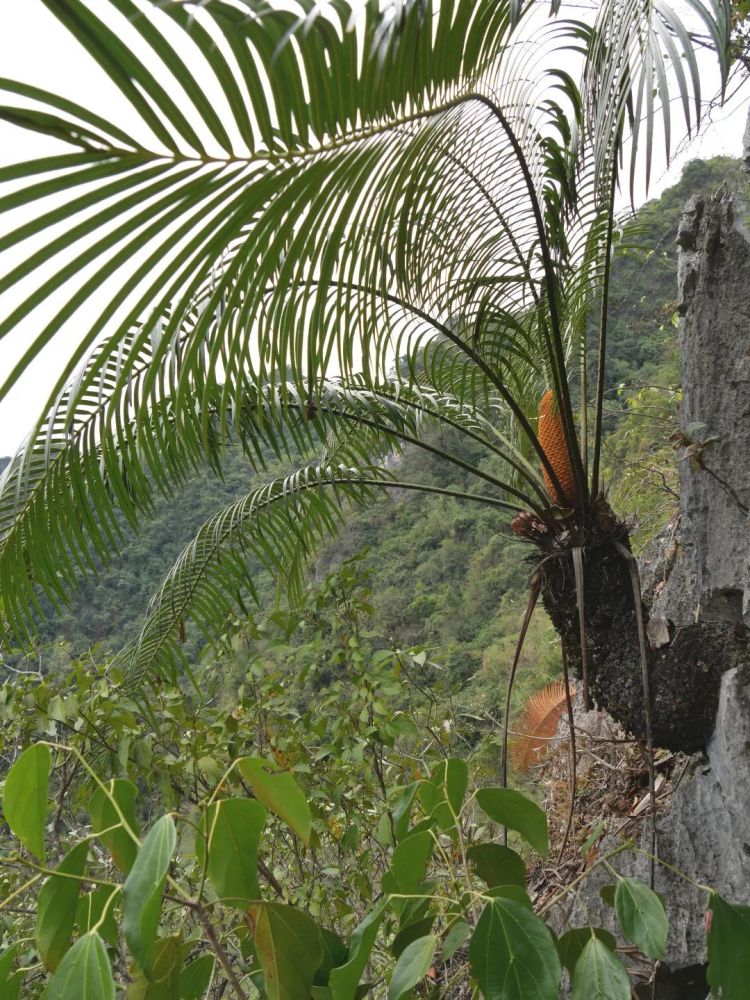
279,526
379,192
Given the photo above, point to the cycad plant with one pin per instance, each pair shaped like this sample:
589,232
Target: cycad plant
323,228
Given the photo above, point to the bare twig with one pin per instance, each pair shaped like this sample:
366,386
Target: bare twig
213,940
536,586
580,601
573,762
632,565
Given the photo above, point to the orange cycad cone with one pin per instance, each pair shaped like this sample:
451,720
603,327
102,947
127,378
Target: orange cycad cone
552,439
537,725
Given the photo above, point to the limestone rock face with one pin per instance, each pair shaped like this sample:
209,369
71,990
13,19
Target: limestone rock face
699,569
714,300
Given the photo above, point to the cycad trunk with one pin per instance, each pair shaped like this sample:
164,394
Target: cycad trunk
698,631
685,670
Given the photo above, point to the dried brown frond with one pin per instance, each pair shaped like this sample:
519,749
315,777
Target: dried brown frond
537,725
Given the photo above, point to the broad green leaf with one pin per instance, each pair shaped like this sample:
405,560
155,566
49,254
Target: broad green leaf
287,945
25,798
571,944
344,980
104,816
412,966
728,948
10,982
402,810
497,865
335,953
142,891
451,778
443,793
57,906
607,892
84,973
514,892
509,808
6,960
279,791
196,977
410,860
642,917
90,909
456,936
163,980
599,974
410,932
513,955
232,828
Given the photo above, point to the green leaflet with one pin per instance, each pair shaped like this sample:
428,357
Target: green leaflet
345,979
412,966
104,816
511,809
641,915
497,865
195,977
729,948
513,955
410,859
279,792
25,798
570,945
84,973
287,944
57,907
599,974
230,832
142,891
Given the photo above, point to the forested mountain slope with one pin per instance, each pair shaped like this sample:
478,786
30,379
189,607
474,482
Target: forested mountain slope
448,575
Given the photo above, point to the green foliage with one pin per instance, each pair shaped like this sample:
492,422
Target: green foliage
143,888
84,973
728,953
599,974
58,906
571,944
400,887
278,790
511,809
227,848
287,944
513,955
641,915
25,798
412,966
108,807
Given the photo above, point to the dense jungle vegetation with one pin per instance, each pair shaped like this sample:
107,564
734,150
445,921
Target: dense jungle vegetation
446,576
396,660
367,329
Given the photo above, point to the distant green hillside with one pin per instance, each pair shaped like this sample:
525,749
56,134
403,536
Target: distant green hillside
444,574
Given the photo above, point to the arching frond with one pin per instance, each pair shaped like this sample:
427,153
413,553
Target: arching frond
323,224
277,526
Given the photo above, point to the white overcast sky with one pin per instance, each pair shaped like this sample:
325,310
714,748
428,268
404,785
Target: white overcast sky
34,48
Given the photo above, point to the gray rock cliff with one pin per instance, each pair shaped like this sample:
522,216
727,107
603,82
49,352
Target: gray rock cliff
700,569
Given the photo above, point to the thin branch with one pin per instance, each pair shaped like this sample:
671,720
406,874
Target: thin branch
573,761
632,565
580,601
536,586
603,333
